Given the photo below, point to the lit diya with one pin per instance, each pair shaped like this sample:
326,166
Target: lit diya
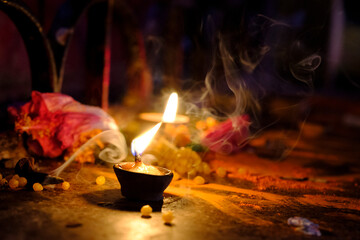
169,115
140,181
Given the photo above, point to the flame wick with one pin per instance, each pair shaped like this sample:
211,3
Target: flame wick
137,157
139,144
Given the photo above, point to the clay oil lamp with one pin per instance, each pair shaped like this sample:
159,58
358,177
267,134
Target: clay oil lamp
140,181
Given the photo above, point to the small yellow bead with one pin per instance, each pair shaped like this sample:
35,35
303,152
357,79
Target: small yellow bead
65,185
167,217
221,172
201,125
206,168
100,180
37,187
22,182
211,122
16,176
146,210
199,180
13,183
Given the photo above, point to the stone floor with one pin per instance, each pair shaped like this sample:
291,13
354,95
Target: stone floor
254,203
315,176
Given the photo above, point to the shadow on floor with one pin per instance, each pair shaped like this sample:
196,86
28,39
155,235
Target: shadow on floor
112,199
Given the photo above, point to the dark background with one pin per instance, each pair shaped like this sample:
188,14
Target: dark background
181,39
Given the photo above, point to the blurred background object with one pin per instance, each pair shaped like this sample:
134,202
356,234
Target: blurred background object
126,50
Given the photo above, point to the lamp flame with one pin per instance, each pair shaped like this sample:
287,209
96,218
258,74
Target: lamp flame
139,144
171,108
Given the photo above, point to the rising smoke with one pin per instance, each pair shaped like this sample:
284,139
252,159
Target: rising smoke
114,151
267,58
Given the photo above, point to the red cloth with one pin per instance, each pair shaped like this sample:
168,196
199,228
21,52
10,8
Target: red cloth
54,121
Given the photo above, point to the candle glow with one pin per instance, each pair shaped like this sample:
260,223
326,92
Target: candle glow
171,108
139,144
